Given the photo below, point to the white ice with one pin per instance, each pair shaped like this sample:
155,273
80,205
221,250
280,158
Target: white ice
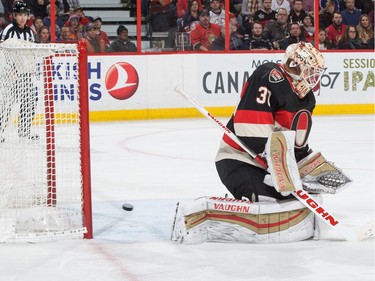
155,164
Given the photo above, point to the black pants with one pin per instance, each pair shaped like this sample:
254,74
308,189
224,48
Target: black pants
245,180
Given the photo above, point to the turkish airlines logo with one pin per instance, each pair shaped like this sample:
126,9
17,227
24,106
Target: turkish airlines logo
121,80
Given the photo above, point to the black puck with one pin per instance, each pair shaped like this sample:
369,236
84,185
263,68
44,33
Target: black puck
127,207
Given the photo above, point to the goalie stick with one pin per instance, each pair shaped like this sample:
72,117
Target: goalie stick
321,212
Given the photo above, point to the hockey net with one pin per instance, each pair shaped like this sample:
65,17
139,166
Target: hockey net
44,142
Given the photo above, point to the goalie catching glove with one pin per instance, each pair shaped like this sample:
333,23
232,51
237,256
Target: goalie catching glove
321,176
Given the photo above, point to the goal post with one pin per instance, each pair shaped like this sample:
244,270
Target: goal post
45,182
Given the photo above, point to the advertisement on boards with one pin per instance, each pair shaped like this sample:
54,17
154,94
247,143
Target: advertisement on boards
117,83
348,78
143,82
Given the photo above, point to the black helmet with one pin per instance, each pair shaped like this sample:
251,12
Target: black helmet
20,7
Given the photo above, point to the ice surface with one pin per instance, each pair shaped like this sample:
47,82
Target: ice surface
155,164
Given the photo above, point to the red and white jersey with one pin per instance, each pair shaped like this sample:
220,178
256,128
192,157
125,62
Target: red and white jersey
204,36
335,33
268,103
218,18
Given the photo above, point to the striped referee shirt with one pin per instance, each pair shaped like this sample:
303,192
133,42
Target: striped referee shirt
14,31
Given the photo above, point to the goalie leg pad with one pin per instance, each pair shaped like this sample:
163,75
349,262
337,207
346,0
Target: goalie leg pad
216,219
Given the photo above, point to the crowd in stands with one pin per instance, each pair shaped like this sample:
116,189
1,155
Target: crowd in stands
254,24
71,25
275,24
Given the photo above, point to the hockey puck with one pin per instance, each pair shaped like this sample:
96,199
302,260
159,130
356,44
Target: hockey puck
127,207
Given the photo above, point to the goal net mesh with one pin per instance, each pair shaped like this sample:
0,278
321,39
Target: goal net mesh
40,156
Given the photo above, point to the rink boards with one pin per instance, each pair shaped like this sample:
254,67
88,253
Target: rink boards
126,87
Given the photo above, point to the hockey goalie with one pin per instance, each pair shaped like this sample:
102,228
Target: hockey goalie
273,118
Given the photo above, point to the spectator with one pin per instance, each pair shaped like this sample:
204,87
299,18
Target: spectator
4,21
371,16
236,39
162,16
277,30
63,9
8,5
103,35
76,28
43,35
249,7
307,27
324,43
308,6
70,5
357,4
257,41
365,31
235,7
122,42
47,19
66,35
297,14
217,15
204,32
219,42
366,6
277,4
351,15
37,24
350,39
295,36
39,8
184,6
265,13
191,17
83,20
336,3
93,42
326,14
336,29
237,33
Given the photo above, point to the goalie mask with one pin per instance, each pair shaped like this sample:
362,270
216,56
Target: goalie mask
305,65
20,7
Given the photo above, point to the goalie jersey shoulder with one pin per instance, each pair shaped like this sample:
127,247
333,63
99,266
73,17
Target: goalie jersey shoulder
271,72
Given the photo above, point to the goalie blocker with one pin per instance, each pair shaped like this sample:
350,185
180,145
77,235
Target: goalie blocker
213,219
313,173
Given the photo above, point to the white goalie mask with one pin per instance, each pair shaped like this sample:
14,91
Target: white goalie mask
305,65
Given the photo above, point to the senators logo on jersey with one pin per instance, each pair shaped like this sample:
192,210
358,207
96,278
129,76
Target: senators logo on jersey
275,76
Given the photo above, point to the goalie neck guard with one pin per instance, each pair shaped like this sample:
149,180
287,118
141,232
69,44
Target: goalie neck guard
305,65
